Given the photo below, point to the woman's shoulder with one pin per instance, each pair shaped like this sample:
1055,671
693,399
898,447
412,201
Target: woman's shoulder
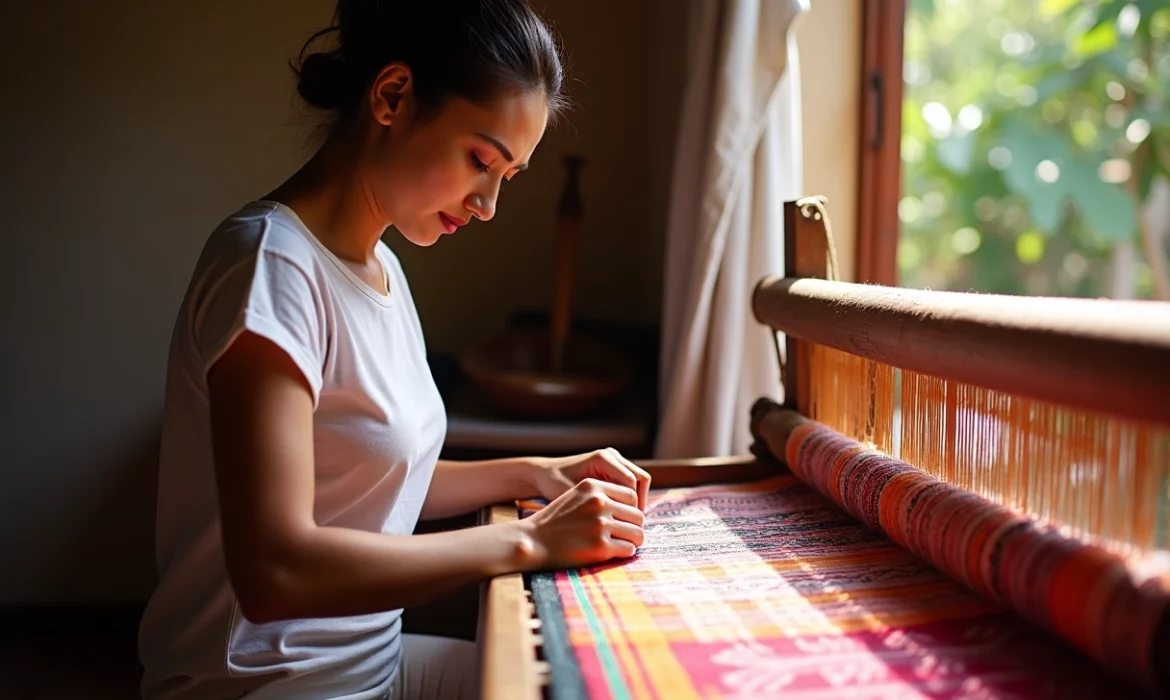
262,228
255,248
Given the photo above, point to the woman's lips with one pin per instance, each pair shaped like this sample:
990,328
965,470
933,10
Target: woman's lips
450,223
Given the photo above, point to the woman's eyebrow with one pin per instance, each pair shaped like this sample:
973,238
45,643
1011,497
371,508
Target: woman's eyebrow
507,154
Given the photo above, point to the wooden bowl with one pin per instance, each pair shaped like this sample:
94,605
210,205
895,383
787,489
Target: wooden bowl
514,370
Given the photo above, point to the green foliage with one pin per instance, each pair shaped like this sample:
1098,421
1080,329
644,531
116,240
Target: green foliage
1032,130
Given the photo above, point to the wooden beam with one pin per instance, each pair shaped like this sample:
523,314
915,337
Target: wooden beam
1098,355
806,254
676,473
508,666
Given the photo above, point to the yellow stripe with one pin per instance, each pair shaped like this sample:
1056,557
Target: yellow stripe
612,628
667,676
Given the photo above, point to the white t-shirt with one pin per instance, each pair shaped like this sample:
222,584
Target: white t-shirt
378,426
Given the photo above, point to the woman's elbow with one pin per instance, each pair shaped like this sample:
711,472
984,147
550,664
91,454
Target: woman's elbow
260,609
265,593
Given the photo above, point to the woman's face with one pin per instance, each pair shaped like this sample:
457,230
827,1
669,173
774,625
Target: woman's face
428,177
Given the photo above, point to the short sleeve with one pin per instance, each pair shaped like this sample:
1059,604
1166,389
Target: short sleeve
271,296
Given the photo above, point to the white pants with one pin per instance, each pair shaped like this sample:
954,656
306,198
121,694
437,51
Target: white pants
437,668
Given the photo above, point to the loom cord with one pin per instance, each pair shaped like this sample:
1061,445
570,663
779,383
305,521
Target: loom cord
1082,593
817,204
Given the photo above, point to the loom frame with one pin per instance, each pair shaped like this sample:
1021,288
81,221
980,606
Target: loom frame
1101,355
999,342
1110,354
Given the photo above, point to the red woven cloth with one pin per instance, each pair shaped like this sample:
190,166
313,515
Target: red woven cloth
768,590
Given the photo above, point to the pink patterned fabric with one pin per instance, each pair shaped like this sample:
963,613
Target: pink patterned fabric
768,590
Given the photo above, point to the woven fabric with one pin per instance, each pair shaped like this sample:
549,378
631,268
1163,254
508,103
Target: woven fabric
1093,599
770,590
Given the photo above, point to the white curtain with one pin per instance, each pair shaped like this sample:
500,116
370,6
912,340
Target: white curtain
737,160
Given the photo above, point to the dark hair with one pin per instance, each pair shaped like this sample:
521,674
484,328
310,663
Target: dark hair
474,49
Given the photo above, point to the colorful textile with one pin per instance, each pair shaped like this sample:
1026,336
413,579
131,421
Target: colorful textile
1088,596
769,590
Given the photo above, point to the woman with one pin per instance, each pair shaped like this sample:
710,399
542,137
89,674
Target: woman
302,426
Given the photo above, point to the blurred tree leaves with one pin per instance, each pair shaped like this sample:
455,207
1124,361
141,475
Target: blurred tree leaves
1032,131
1106,208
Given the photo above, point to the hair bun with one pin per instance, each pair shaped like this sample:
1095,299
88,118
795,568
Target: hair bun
324,81
489,48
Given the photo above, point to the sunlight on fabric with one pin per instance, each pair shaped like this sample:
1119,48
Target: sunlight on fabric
768,589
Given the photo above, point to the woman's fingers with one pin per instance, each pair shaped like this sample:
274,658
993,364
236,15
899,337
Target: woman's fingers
627,532
610,466
629,514
615,492
641,478
595,521
616,468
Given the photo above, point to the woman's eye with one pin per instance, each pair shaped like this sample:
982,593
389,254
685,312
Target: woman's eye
479,164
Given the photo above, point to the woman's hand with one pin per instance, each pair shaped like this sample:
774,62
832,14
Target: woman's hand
592,522
556,476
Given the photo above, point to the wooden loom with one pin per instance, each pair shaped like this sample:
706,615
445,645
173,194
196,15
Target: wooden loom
1065,382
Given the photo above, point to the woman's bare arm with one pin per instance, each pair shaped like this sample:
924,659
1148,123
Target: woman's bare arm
460,487
283,565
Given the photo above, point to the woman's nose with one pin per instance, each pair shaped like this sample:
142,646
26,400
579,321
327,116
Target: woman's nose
483,207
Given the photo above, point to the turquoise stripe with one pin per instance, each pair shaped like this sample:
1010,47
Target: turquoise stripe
616,688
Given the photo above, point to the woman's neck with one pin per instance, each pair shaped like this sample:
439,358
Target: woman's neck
333,199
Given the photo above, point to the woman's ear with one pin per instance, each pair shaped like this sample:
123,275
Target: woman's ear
391,94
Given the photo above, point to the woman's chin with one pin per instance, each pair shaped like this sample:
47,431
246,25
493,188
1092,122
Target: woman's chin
423,237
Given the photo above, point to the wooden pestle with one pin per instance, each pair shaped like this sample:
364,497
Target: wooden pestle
568,237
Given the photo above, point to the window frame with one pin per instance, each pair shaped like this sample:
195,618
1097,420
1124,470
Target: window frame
880,143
